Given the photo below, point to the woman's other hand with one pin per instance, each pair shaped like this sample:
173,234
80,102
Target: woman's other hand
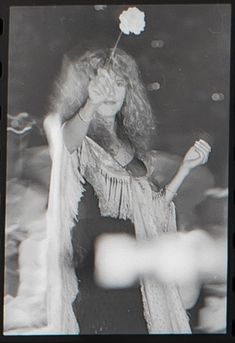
197,155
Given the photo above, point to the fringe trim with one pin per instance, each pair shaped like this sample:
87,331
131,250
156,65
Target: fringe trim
112,188
163,308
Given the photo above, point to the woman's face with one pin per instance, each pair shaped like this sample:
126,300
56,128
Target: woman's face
112,106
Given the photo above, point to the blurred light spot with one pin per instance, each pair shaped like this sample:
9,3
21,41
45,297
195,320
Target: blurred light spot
23,115
217,96
100,7
154,86
217,192
157,44
20,123
221,95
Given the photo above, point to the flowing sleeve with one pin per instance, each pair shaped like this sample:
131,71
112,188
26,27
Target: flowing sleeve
66,188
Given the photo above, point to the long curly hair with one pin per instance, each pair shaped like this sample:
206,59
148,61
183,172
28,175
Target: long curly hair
135,121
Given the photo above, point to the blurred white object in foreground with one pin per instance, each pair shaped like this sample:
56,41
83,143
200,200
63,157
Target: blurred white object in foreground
115,260
182,257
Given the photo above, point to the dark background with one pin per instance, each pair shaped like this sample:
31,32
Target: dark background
192,64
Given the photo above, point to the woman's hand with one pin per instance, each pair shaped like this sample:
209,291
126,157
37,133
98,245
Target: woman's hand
197,155
101,88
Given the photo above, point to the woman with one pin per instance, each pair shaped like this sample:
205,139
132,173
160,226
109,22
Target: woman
98,131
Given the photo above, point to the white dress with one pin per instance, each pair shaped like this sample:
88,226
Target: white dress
120,196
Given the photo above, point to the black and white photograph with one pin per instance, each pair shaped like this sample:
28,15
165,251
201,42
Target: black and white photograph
117,171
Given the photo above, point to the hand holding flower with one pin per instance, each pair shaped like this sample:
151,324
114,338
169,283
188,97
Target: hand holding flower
101,88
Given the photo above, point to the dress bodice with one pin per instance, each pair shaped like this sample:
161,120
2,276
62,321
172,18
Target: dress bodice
111,191
111,181
117,190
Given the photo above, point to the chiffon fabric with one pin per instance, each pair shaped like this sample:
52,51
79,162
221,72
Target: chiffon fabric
119,195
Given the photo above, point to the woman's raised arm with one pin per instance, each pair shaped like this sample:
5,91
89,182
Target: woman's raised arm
75,129
195,156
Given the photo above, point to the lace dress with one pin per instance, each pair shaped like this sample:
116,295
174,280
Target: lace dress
121,196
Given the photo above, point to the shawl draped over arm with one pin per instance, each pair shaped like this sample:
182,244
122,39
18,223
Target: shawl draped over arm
65,192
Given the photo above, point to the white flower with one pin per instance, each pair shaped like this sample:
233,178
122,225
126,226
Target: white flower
132,21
